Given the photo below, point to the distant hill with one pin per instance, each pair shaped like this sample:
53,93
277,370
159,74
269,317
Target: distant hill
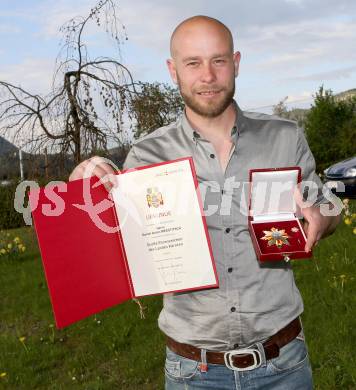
6,147
346,94
9,165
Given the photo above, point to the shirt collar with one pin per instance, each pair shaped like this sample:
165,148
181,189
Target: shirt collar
235,131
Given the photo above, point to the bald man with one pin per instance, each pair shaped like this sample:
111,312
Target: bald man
246,334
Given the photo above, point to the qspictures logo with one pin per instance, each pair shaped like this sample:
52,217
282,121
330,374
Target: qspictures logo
54,205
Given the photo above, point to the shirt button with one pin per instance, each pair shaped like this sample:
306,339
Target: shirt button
212,155
233,309
227,230
236,346
229,269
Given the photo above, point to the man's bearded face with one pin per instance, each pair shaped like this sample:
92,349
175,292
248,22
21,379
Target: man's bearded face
208,99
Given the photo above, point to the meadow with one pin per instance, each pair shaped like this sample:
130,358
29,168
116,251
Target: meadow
116,349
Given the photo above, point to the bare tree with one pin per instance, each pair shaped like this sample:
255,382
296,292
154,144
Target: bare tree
84,109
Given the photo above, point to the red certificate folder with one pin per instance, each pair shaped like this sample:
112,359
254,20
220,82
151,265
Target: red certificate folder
87,268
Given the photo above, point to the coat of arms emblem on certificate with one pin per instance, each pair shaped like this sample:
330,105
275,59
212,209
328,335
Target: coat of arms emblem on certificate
154,197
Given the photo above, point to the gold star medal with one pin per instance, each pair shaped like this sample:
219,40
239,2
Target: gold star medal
276,237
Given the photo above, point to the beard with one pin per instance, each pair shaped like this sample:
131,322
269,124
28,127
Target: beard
209,109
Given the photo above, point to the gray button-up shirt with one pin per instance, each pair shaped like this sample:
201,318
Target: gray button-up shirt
253,300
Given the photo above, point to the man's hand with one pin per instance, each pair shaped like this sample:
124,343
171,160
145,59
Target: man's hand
317,226
95,166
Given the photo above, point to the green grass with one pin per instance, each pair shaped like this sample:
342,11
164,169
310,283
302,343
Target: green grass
328,286
116,349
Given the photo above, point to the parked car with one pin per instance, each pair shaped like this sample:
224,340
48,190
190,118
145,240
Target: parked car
341,178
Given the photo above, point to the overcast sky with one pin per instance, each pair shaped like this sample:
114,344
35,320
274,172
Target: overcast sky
289,47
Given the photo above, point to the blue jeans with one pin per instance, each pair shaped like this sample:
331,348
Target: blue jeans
289,371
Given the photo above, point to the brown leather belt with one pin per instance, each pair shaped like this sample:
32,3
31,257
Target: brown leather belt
243,358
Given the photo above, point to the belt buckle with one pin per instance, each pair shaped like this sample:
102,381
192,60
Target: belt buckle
247,351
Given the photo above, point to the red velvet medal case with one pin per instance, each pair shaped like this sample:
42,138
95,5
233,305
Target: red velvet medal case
273,220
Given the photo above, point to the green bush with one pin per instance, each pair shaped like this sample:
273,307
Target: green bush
9,217
331,129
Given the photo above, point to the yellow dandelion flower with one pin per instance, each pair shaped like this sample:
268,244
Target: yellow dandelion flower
347,221
23,248
3,251
3,374
17,240
9,245
22,341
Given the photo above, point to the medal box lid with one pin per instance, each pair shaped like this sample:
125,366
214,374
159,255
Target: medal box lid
271,193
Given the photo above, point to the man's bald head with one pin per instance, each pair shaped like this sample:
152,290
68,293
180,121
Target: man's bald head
204,65
196,22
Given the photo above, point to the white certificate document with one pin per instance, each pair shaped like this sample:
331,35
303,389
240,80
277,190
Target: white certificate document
163,232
